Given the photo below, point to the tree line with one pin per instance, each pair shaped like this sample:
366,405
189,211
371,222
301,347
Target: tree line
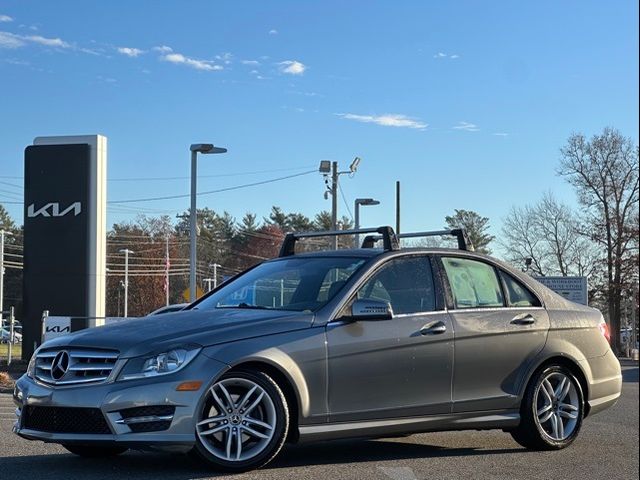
598,240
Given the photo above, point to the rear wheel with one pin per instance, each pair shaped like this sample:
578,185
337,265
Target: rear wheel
95,452
552,410
243,422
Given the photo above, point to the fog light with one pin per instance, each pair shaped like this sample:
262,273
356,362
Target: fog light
189,386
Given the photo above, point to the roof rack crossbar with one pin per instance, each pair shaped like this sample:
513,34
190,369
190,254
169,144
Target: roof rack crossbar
385,233
464,242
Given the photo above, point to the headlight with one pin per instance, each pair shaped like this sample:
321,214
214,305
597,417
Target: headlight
163,363
31,368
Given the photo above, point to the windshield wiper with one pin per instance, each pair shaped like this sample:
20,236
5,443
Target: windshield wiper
245,305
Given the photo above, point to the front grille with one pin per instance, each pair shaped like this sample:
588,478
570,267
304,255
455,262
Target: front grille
64,420
73,365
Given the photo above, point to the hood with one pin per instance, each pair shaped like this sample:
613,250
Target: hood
139,336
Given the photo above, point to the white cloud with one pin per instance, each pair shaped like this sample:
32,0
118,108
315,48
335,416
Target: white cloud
6,18
440,55
178,58
11,40
387,120
250,62
48,42
500,134
466,126
163,49
130,51
273,31
292,67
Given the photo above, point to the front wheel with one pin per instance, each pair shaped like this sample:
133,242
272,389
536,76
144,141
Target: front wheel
95,452
243,422
552,410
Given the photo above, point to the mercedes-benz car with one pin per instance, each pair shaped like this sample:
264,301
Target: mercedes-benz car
363,342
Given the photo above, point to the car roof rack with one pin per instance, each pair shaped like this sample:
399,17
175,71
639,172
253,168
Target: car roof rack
464,242
386,233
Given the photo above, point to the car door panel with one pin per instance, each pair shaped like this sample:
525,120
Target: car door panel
492,355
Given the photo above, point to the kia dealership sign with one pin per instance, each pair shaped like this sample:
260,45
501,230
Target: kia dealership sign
64,232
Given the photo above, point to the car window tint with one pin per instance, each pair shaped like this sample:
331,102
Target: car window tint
518,295
406,283
333,282
473,284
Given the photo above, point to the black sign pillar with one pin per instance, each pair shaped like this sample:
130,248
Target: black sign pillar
64,232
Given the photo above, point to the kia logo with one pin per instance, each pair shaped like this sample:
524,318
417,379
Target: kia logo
53,210
60,365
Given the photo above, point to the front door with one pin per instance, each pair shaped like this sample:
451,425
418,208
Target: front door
398,367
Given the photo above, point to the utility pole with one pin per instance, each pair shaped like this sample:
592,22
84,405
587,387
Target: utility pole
166,267
126,252
398,207
3,233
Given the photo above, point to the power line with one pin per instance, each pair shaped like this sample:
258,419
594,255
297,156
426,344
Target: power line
344,199
220,190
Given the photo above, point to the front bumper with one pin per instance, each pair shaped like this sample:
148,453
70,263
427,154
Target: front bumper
114,397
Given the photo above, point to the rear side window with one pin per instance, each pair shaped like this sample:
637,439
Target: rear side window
517,294
406,283
473,284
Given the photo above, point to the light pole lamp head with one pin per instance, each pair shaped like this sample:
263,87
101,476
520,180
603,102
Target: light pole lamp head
367,201
353,168
206,148
325,167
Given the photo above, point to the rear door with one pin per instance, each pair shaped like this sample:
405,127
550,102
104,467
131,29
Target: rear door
500,327
397,367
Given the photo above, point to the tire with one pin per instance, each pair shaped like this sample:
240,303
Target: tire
95,452
546,402
252,430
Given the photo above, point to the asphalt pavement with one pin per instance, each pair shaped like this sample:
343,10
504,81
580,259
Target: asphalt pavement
607,448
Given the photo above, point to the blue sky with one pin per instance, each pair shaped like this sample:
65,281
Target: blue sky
466,103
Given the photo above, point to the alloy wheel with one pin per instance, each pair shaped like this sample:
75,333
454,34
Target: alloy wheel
557,405
238,420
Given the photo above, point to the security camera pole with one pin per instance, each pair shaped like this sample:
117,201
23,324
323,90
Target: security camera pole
327,167
204,148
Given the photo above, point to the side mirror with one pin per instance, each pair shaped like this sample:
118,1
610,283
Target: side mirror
371,310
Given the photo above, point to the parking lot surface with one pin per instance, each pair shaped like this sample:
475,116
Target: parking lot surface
607,448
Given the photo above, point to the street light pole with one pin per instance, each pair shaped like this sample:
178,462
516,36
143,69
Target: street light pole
215,273
358,202
126,252
205,148
2,235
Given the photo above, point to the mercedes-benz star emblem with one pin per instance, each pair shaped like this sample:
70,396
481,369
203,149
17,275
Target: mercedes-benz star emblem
60,365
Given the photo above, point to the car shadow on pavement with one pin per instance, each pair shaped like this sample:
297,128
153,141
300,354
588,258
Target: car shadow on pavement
143,466
630,375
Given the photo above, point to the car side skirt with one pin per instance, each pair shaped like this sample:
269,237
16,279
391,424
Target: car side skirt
398,426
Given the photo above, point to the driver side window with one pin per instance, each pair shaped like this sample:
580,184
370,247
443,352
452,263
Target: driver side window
406,283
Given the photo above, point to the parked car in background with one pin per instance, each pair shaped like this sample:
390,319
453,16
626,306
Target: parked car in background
176,307
326,345
5,335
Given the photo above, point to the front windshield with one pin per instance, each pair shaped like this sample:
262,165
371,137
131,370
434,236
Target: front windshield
296,284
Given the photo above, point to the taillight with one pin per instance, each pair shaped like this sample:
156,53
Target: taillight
604,330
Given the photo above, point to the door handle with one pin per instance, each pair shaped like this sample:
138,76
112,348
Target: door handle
433,328
526,319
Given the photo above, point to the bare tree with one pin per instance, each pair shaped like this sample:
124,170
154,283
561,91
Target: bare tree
604,172
548,233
